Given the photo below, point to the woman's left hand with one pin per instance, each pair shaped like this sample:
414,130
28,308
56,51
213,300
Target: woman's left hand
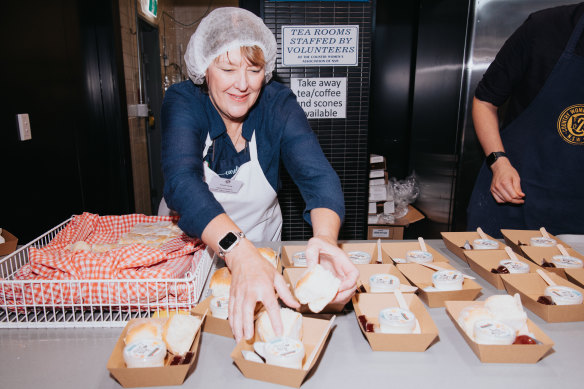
324,251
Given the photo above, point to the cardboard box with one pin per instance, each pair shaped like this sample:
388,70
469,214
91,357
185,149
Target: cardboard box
378,173
212,324
150,376
369,248
10,243
377,162
530,286
396,252
455,242
576,276
395,230
482,261
517,238
292,275
288,253
540,255
315,333
377,193
366,271
369,304
514,353
421,277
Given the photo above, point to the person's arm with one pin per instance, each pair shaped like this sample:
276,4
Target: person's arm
253,280
184,128
322,248
321,190
506,183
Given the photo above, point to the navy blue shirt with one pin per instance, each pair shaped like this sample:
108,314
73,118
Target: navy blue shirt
282,134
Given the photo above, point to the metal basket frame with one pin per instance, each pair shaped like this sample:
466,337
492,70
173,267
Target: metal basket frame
90,313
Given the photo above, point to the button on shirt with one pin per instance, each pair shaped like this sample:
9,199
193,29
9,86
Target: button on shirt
282,134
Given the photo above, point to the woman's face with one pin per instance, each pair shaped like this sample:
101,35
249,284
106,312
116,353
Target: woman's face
234,85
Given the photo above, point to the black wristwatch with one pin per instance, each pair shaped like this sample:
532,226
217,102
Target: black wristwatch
229,242
494,156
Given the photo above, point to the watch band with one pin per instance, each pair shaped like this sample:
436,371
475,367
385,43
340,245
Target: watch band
494,156
228,242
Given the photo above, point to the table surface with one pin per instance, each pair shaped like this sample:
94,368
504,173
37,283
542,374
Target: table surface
76,358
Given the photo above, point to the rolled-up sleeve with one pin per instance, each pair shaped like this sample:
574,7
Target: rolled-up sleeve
306,163
185,190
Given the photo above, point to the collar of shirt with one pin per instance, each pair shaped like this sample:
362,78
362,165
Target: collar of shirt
218,126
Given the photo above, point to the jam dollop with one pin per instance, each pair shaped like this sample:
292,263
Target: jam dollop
366,325
500,270
524,339
547,300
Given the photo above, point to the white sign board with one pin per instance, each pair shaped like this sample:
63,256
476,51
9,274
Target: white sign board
320,45
321,98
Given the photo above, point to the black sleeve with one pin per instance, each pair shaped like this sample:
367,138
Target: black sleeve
509,67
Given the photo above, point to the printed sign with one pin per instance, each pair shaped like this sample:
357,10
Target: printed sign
321,98
320,45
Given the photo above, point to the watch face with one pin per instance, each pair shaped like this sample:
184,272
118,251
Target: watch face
228,240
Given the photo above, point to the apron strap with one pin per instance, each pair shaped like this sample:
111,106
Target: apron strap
575,37
253,148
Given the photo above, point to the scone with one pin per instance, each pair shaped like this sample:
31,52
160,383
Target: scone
317,287
291,320
220,283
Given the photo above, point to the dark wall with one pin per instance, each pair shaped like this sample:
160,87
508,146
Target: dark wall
392,81
61,66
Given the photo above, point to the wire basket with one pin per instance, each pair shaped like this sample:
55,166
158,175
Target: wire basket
113,305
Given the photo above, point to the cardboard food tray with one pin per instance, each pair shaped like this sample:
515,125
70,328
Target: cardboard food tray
421,277
514,353
213,324
399,250
370,304
517,238
366,271
530,286
10,243
315,333
149,376
370,248
292,275
455,241
482,261
540,254
576,276
288,252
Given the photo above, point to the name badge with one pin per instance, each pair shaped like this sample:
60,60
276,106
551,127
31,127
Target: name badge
224,185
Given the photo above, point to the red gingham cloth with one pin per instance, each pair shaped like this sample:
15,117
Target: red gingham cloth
134,262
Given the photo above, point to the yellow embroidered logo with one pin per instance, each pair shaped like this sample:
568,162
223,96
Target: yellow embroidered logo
571,124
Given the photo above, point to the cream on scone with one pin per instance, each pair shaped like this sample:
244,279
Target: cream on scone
291,320
221,282
317,287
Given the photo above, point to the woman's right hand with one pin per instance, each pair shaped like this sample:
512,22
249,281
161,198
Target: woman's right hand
506,184
254,279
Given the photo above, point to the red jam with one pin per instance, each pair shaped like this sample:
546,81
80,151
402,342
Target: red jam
524,339
176,360
500,270
188,358
546,300
366,325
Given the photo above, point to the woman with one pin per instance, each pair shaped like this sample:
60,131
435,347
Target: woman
222,145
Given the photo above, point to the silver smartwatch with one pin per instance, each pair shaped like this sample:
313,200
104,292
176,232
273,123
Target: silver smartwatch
229,242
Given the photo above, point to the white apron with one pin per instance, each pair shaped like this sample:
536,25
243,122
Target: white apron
254,208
